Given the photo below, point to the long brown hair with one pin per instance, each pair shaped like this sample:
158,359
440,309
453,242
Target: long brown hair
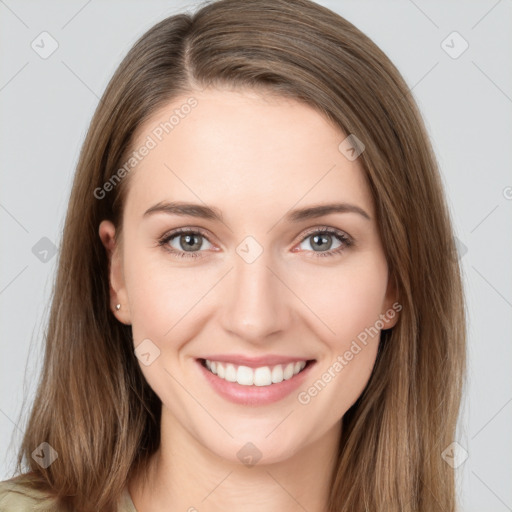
93,405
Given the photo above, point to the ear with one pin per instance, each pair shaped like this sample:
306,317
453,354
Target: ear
118,293
392,305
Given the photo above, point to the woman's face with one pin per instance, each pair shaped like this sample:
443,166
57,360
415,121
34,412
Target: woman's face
256,286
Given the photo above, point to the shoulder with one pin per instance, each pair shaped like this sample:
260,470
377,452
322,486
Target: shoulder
18,495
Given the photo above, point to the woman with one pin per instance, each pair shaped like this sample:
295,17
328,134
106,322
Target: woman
258,301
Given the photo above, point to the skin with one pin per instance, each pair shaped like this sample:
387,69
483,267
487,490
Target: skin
255,159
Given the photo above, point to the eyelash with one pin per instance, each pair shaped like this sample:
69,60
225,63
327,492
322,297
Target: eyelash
342,237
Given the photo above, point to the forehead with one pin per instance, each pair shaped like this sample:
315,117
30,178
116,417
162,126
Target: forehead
244,149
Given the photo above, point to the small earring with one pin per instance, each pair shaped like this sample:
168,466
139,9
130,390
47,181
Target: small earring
118,307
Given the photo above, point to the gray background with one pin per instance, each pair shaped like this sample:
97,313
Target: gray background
46,105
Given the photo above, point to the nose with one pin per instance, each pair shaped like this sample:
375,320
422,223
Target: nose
257,302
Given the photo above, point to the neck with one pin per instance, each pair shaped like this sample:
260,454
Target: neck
187,476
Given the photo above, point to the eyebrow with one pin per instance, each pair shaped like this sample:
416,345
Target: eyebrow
212,213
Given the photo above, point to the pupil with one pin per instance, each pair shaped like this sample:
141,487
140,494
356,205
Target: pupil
320,241
324,240
188,245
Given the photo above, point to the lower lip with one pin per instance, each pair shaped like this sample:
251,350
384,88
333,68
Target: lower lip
254,395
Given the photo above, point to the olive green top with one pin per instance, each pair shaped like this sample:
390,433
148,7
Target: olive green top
16,497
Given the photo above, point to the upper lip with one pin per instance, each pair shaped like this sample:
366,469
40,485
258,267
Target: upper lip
254,362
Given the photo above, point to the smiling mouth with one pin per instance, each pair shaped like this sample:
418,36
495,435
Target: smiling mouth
259,376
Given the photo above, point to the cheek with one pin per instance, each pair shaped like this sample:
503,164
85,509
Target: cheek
348,300
350,305
168,299
338,302
344,300
164,309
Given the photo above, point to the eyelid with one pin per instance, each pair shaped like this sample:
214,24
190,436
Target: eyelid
304,235
330,230
345,238
187,229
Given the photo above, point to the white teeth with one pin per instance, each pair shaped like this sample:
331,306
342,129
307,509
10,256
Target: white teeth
221,370
244,375
261,376
230,373
288,371
277,374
